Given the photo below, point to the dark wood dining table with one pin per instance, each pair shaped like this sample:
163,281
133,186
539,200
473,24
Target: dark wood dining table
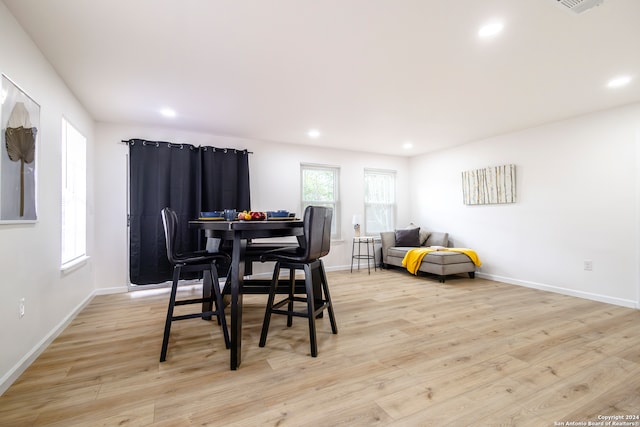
239,233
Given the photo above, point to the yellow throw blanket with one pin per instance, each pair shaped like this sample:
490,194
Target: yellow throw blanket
413,257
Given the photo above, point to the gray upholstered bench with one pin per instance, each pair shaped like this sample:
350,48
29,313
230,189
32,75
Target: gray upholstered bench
440,263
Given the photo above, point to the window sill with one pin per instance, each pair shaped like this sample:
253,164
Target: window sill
74,265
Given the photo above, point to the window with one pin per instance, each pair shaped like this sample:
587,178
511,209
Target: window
379,201
74,195
320,188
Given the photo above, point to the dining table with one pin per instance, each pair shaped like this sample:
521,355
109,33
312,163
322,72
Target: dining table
241,234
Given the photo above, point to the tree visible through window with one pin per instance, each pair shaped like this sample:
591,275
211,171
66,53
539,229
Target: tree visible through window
74,194
320,188
379,201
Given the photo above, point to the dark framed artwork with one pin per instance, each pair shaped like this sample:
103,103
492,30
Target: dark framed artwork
20,126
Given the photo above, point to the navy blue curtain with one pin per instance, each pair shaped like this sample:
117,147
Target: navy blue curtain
189,180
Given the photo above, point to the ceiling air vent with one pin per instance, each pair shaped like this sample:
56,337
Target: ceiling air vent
579,6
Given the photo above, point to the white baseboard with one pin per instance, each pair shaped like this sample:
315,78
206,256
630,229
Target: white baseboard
113,290
564,291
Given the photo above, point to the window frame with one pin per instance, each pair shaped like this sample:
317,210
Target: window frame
335,203
73,224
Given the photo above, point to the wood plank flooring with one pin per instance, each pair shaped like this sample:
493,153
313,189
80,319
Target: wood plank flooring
410,352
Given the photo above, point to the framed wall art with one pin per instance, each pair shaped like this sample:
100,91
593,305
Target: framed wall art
20,128
492,185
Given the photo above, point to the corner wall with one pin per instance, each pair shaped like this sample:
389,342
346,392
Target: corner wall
577,200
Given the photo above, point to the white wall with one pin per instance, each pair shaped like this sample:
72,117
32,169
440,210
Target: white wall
578,192
275,184
30,253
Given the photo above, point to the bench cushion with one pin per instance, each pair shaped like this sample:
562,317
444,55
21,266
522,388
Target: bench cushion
438,257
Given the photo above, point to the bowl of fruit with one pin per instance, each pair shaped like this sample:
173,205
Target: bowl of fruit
252,216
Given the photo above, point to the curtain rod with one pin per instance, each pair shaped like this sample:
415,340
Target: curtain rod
128,141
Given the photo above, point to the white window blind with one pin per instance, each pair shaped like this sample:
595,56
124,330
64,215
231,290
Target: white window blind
320,187
379,201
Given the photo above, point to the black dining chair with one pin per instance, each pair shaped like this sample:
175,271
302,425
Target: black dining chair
192,262
307,257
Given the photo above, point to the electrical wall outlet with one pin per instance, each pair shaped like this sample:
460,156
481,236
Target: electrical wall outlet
588,265
21,307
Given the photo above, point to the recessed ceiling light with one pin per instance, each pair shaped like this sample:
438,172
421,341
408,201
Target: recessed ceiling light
490,29
313,133
619,81
168,112
407,145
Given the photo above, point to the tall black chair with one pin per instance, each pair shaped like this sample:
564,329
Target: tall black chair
192,262
306,257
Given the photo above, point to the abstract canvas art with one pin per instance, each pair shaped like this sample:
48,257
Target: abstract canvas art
492,185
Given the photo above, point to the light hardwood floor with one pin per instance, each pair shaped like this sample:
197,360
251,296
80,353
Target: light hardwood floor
410,352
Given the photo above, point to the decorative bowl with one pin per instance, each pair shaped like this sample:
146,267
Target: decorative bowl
278,214
213,214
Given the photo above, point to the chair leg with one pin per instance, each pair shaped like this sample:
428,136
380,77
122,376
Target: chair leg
308,284
327,298
292,290
267,313
207,295
217,308
172,303
209,300
222,321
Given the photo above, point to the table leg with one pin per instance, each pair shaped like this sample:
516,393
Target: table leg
368,258
237,274
373,248
353,249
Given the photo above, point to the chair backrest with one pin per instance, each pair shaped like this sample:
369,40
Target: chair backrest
170,223
317,231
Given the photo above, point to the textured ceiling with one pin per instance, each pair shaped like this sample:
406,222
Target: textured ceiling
369,74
